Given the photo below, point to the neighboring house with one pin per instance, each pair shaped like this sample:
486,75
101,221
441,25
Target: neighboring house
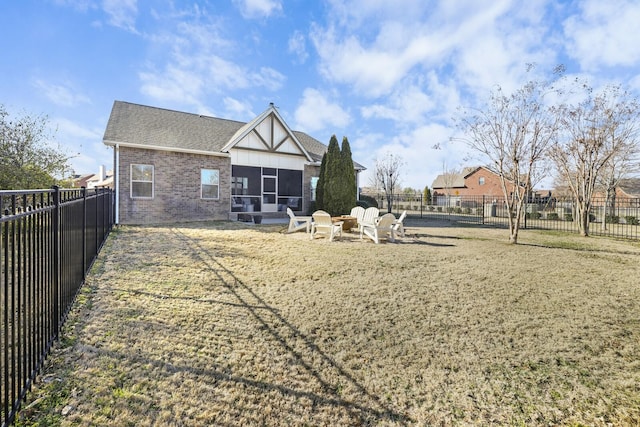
447,189
174,166
472,181
627,193
102,179
628,188
81,180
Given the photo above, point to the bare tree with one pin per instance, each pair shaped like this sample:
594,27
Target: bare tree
387,176
598,134
619,166
513,133
449,177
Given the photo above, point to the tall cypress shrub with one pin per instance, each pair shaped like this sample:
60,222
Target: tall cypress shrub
349,190
331,189
321,183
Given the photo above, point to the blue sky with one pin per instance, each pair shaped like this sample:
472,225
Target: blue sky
389,75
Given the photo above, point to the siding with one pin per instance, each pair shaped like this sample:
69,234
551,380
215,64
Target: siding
176,188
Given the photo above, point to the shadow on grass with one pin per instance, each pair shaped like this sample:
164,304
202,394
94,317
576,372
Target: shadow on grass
371,409
578,248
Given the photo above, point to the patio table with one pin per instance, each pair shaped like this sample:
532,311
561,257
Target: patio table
348,221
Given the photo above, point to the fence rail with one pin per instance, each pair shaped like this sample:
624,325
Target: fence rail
49,239
619,217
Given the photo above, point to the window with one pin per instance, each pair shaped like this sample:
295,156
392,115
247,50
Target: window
141,181
314,185
481,180
209,183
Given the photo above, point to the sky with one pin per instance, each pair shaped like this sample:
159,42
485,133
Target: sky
388,75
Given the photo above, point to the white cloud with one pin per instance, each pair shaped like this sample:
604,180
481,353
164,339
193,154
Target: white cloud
196,61
315,112
268,78
297,46
72,130
238,109
173,84
604,34
373,46
422,162
61,94
122,13
252,9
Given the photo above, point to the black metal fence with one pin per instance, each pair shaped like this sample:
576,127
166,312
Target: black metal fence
49,240
619,217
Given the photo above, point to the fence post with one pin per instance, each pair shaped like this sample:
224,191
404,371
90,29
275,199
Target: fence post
84,232
482,210
56,260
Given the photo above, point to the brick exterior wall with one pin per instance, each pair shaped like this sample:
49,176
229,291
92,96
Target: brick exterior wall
491,186
176,188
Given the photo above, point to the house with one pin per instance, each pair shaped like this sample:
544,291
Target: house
449,188
175,166
627,193
628,189
103,179
471,181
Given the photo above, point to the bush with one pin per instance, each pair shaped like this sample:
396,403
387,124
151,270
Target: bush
466,211
370,201
439,208
552,215
431,208
631,220
612,219
480,211
533,215
457,210
568,217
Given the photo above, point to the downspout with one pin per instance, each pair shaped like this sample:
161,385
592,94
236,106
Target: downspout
116,179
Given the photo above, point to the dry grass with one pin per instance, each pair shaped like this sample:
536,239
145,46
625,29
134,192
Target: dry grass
230,324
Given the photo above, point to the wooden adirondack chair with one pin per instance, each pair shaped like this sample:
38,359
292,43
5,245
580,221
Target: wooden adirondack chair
322,225
398,226
382,229
298,222
370,216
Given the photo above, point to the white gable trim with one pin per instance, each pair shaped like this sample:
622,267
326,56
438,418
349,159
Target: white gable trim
249,137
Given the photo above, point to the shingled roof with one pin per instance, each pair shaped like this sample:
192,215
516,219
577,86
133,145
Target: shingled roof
161,129
631,186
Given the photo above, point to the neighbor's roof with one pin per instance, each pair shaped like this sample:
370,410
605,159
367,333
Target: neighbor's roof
454,180
159,128
631,186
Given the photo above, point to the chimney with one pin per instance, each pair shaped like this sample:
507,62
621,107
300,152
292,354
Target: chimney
101,174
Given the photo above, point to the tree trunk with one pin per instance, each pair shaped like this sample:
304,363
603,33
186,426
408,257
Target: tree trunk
583,218
514,225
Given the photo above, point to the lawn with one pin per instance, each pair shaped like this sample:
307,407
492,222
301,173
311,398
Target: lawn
231,324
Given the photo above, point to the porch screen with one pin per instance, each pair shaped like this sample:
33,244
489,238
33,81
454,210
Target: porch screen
246,188
289,189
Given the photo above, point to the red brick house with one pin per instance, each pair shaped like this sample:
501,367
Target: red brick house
173,166
472,181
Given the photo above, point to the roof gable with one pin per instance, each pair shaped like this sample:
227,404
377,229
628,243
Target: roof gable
267,132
